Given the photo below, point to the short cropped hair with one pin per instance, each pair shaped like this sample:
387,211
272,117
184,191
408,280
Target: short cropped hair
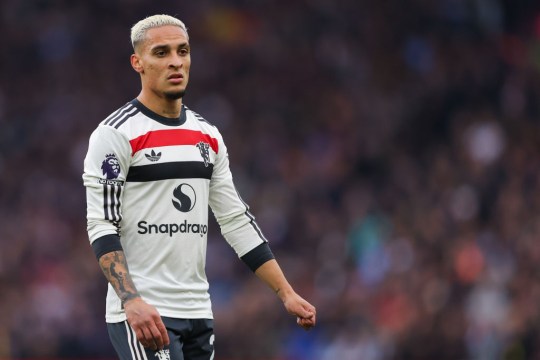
138,31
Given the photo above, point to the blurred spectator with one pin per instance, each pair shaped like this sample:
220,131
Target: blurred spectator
394,146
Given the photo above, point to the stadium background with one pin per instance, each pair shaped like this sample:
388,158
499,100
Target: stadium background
389,149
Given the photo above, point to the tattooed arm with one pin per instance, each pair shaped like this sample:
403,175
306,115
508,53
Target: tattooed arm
115,268
143,318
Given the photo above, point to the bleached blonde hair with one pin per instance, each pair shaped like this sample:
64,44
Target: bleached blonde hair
138,31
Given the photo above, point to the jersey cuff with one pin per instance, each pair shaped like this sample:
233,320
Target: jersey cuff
258,256
106,244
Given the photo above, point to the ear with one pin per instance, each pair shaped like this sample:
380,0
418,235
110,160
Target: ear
136,63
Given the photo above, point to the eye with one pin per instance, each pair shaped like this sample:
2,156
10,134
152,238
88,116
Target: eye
160,53
183,51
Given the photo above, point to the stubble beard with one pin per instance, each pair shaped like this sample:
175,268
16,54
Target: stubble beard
175,95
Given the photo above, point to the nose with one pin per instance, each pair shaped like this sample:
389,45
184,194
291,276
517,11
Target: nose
176,61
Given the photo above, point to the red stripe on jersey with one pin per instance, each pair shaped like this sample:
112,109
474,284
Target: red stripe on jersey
160,138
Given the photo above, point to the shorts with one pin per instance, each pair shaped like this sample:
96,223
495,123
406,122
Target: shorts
190,339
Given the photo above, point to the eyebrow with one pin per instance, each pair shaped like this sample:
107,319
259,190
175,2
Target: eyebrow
166,46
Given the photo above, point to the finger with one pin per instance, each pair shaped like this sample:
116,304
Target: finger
308,310
148,339
156,336
302,323
159,332
163,331
306,323
140,335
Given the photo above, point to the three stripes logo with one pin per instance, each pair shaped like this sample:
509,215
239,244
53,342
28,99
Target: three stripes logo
153,156
112,195
121,115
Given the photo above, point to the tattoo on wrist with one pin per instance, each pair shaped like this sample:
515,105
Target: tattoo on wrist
129,296
115,268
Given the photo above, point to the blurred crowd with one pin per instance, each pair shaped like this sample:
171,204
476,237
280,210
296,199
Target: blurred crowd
390,151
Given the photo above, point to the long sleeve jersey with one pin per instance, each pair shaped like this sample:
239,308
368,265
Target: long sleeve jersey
150,180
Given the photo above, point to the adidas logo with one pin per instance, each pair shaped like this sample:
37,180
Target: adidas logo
153,156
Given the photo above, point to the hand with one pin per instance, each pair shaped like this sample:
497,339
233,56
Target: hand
306,314
147,324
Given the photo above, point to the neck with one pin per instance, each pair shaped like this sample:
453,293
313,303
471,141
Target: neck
161,105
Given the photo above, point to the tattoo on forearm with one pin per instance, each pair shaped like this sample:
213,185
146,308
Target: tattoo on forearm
115,268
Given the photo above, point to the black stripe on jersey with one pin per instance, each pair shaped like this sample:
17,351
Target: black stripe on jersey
199,117
118,193
255,226
115,113
118,113
106,202
251,217
122,119
170,170
126,117
111,203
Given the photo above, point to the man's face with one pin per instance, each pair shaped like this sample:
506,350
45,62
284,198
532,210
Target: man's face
163,59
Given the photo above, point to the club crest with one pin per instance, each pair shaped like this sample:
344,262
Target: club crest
163,354
205,153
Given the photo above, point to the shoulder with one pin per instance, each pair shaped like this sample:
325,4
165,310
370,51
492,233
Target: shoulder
210,131
199,122
112,128
121,115
198,117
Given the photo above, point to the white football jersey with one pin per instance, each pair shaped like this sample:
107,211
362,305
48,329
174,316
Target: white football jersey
150,179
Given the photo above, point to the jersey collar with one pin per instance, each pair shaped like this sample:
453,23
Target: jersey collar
161,119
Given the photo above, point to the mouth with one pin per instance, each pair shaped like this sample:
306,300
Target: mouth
175,78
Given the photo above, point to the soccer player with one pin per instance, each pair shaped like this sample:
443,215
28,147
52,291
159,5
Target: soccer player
152,168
